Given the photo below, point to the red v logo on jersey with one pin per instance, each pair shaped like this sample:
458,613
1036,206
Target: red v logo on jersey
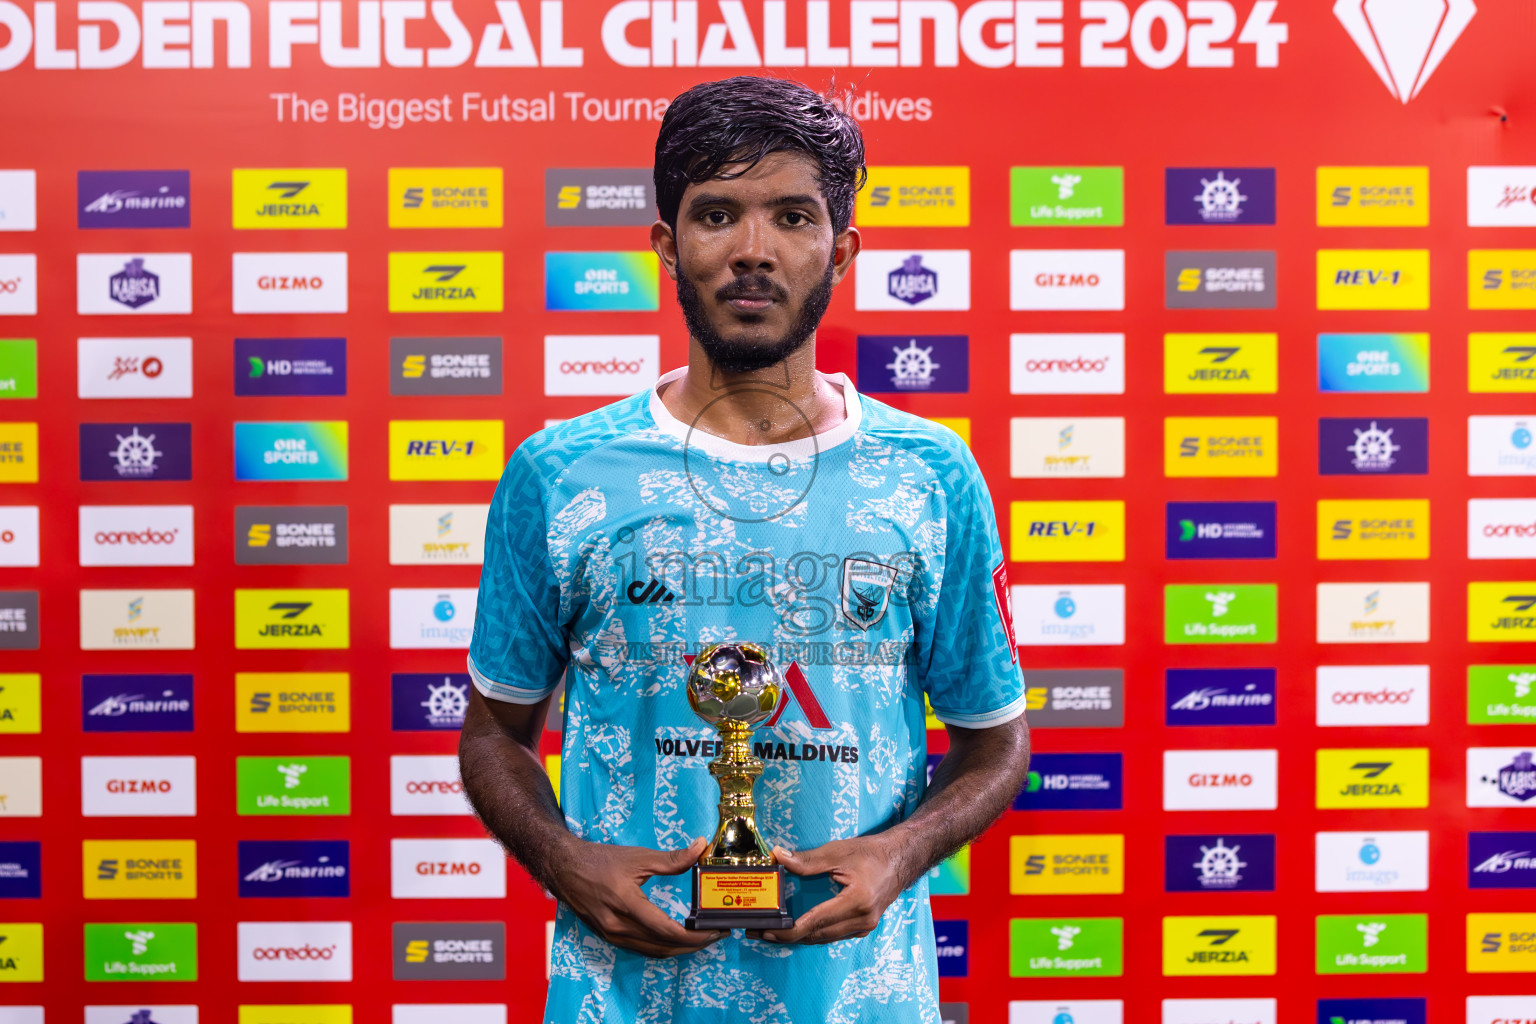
803,693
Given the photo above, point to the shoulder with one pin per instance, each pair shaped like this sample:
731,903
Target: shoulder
939,448
547,455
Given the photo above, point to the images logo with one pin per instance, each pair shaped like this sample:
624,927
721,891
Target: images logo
293,785
600,364
292,618
1222,780
1227,613
1499,362
1065,698
588,196
1501,612
1219,195
1066,364
1379,529
1073,615
611,281
1219,280
141,952
447,869
1218,946
1372,695
1500,446
315,450
1395,363
1220,696
900,279
1219,863
1373,279
135,451
1049,447
1072,782
1067,196
21,876
458,951
18,368
290,366
445,197
1067,531
290,535
289,198
437,534
1373,197
140,869
136,703
1382,777
1500,943
1210,446
1500,694
292,702
134,199
132,283
445,366
1066,279
446,282
445,449
1077,864
18,620
1376,446
428,702
1219,529
422,617
297,869
915,197
1066,947
1231,364
129,367
1501,279
1372,861
905,363
1404,45
294,950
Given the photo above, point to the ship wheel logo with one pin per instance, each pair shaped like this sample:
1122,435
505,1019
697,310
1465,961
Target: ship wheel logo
1373,448
1219,199
135,454
1219,866
446,703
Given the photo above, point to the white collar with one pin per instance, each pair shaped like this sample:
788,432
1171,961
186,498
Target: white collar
796,450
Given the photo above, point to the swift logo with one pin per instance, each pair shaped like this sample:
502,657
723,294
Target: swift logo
1404,43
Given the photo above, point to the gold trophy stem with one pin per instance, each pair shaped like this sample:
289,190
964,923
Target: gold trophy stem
736,841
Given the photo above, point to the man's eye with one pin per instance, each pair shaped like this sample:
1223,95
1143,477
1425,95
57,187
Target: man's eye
796,218
715,217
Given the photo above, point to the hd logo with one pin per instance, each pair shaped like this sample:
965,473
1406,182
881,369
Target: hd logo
445,197
1395,777
1501,279
1047,864
1221,364
1068,531
1218,946
445,449
916,197
1381,529
311,619
1501,612
1499,362
290,197
1210,446
1373,197
1373,279
139,869
445,282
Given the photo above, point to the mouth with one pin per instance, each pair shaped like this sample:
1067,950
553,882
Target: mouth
752,303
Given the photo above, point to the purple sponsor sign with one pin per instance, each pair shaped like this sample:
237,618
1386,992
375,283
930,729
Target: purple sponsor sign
134,199
136,703
135,451
908,364
290,366
1219,195
1220,696
428,701
1372,446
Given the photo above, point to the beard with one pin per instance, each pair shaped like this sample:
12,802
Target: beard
750,356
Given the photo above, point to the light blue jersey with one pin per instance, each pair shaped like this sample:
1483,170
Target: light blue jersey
866,559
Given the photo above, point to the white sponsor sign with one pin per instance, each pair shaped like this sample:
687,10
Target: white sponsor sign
1220,780
1066,364
1501,776
428,869
1373,695
133,283
912,280
1372,613
459,1013
1066,279
34,1015
1501,197
1500,1009
18,200
437,534
290,282
431,617
1501,528
136,535
19,533
1219,1011
1051,447
134,367
1047,616
600,364
131,787
1372,861
21,787
159,1013
294,950
426,784
1055,1011
1501,445
136,620
18,284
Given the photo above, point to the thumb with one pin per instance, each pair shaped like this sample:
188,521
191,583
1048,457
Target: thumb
806,862
675,862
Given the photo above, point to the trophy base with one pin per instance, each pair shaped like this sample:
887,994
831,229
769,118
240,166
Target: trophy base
738,896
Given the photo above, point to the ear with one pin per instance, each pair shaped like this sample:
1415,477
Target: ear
845,246
664,241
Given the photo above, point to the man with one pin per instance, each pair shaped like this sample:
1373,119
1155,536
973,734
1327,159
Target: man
749,497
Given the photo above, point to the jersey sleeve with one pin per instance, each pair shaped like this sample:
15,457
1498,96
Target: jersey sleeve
519,646
968,661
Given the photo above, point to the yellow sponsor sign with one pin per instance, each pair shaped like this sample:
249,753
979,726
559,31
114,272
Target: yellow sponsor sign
1501,943
738,890
552,769
1376,197
1068,531
445,449
1044,864
290,197
1501,279
139,869
21,702
21,952
1225,364
1373,777
445,197
292,702
915,197
930,719
1501,362
320,1013
292,618
959,424
1501,612
1230,945
1373,279
1373,529
18,453
445,282
1220,446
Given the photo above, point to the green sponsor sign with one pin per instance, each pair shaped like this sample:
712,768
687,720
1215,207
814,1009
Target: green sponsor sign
1501,694
1219,613
1065,947
293,785
18,368
141,952
1372,944
1067,196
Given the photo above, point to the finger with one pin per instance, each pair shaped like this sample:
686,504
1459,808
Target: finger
839,908
816,861
650,923
673,862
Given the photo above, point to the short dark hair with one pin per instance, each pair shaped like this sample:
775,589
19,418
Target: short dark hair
742,120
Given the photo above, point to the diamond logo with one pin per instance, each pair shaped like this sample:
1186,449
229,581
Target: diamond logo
1404,40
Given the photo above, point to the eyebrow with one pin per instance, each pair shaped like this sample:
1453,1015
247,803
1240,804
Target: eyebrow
704,199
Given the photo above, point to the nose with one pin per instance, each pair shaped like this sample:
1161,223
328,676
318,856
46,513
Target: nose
753,249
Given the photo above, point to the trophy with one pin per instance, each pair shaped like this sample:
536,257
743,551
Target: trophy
736,884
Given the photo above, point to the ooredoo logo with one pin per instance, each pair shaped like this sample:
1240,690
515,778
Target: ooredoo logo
290,282
1219,780
18,284
426,785
295,950
1373,695
1067,364
1501,528
136,535
447,869
600,364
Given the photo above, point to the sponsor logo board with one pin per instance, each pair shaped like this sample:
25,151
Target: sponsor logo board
1224,1011
1500,446
135,451
1373,777
1218,946
125,283
1090,615
903,280
1219,195
18,368
133,199
606,281
1372,944
290,366
599,196
445,366
601,364
18,200
289,198
293,785
1372,861
290,534
134,367
1066,364
1066,196
1066,947
290,618
21,787
289,282
1501,279
437,534
1220,696
1501,943
1372,695
951,940
1045,447
1220,780
1220,613
21,872
23,959
1372,529
136,703
1045,279
428,701
1501,860
1382,363
421,617
1067,698
914,364
1072,782
143,620
445,197
1380,279
1374,197
1501,612
1217,446
446,282
915,197
139,869
1372,446
313,450
133,787
1501,528
447,869
1371,1011
1221,364
1501,197
1219,863
1372,613
296,869
1500,694
18,284
1067,531
445,449
1075,864
1495,1009
1219,529
450,951
1219,280
1059,1011
292,702
18,620
1501,362
1500,777
426,784
294,950
132,951
136,535
21,703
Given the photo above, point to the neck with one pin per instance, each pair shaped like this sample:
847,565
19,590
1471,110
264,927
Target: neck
783,402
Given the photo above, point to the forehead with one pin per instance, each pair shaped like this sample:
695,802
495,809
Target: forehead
780,173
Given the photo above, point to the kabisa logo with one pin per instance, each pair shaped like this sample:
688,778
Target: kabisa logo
309,618
140,952
1066,947
1219,529
1219,195
1372,279
1373,196
21,874
133,283
432,701
1232,364
1501,362
1374,447
297,869
611,281
314,450
903,363
1219,863
1404,44
293,785
286,198
1378,1011
135,451
1501,279
445,366
1218,945
445,197
1500,777
290,366
1395,363
951,944
915,196
1072,782
134,199
421,617
459,951
596,196
1070,864
1212,446
445,449
1501,860
1500,694
1090,698
128,869
903,280
1219,280
133,286
1380,777
290,535
1220,696
1067,196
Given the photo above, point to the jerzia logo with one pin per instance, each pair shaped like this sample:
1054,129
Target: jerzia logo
648,593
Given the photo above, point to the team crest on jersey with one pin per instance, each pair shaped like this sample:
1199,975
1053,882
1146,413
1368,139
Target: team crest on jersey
866,591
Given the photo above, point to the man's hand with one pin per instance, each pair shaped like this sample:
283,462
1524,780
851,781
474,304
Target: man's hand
867,873
601,884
